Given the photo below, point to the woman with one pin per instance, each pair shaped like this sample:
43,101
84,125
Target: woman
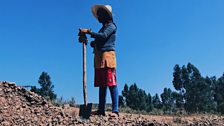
104,57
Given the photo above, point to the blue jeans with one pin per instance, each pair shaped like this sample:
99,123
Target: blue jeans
102,98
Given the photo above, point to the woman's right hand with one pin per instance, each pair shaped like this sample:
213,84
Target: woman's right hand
92,44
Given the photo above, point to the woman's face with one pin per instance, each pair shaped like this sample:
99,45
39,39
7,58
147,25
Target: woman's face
101,19
103,16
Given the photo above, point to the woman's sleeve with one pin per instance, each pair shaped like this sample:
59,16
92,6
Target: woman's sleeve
104,35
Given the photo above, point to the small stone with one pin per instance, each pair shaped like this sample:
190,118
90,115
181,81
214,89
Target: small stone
21,117
1,119
5,123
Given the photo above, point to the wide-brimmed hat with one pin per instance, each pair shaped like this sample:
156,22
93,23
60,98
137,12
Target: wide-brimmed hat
108,8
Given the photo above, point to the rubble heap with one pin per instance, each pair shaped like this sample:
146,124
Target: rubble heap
20,107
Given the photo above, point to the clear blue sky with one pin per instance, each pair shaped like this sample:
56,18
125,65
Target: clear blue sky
152,36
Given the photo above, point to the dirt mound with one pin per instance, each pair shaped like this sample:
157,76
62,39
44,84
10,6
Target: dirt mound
20,107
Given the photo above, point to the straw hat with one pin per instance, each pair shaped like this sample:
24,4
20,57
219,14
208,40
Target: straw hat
108,8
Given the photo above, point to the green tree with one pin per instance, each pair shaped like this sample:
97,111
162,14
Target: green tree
156,102
167,100
142,97
179,77
121,101
136,98
209,96
178,100
125,93
132,98
46,85
195,92
35,89
219,95
149,103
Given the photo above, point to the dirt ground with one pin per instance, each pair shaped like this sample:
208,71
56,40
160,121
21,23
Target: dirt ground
181,120
20,107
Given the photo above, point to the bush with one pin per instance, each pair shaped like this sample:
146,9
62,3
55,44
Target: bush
61,102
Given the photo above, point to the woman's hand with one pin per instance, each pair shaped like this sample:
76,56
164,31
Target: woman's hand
92,44
85,30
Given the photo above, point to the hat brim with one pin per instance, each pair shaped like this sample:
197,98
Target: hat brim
95,9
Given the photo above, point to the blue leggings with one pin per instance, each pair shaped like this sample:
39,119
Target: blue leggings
102,98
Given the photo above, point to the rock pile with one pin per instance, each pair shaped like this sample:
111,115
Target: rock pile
20,107
211,120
